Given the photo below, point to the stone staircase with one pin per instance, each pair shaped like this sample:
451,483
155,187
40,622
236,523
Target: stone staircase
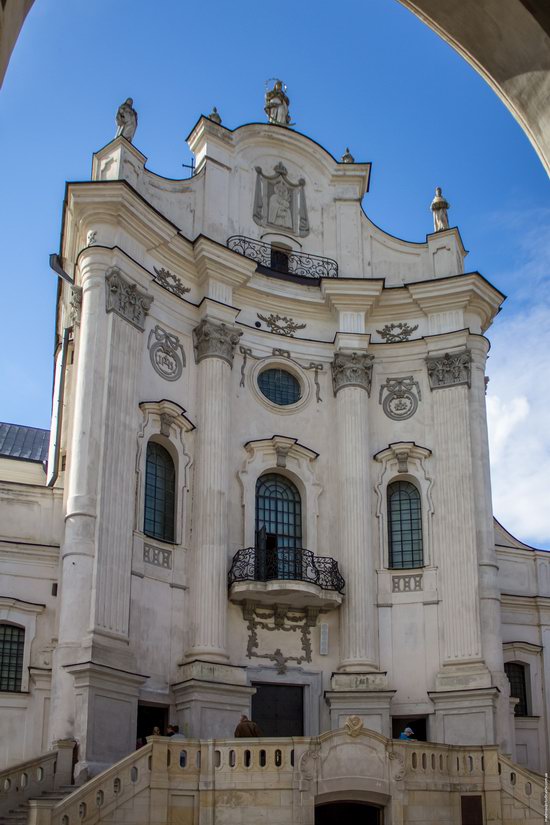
20,814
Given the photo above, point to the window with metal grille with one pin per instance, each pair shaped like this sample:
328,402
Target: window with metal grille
279,509
518,686
12,642
404,525
279,386
160,491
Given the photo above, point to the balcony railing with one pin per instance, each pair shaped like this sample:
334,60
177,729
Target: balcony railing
288,564
285,262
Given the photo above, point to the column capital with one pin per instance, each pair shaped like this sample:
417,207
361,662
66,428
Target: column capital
215,339
126,299
450,369
352,369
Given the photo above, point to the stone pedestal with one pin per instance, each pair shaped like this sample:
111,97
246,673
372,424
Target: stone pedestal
210,698
464,717
360,694
106,702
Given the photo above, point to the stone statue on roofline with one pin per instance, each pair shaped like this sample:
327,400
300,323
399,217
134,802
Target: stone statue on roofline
126,120
276,104
439,208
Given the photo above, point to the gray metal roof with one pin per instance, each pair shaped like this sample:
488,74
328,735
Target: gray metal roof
27,443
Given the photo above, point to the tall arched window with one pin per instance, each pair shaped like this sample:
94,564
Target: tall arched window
404,525
278,528
160,490
12,643
515,672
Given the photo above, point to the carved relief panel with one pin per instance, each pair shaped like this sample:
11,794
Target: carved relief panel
278,202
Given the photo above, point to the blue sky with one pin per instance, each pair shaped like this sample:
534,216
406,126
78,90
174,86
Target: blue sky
367,75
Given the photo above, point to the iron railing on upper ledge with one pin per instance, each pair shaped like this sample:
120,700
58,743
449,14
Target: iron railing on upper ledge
283,261
286,563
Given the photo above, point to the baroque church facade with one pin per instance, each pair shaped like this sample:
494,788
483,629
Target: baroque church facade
267,487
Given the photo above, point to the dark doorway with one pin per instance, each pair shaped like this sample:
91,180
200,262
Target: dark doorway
278,709
358,813
416,723
149,717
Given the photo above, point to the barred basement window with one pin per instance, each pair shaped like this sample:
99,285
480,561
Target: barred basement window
12,642
518,686
404,525
280,386
160,490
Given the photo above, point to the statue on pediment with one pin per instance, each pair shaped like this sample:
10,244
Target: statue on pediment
277,104
278,202
126,120
439,208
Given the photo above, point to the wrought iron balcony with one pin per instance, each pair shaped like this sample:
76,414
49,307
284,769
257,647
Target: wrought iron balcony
282,261
292,576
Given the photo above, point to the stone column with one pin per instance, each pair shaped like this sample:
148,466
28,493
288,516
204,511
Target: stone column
78,548
211,693
214,343
96,553
351,377
463,682
489,591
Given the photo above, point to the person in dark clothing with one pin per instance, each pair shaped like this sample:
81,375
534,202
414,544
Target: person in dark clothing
247,728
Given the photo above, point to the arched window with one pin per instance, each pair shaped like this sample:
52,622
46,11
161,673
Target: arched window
278,528
518,686
12,643
160,488
404,525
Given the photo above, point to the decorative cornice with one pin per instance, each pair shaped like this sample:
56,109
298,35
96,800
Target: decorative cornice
215,339
352,369
449,370
402,452
123,297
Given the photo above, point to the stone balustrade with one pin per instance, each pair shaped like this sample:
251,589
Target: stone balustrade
169,781
25,780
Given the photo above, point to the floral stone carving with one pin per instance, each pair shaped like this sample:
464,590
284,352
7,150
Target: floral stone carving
354,725
214,339
123,297
165,278
352,370
281,324
396,333
166,353
449,370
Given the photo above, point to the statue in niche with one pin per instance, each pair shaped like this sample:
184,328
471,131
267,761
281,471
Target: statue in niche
280,212
276,104
439,208
126,120
279,202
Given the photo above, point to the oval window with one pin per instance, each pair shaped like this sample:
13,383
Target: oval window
280,386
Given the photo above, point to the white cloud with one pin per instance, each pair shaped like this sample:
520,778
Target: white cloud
518,399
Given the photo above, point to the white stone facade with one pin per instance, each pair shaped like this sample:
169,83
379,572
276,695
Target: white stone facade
169,330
